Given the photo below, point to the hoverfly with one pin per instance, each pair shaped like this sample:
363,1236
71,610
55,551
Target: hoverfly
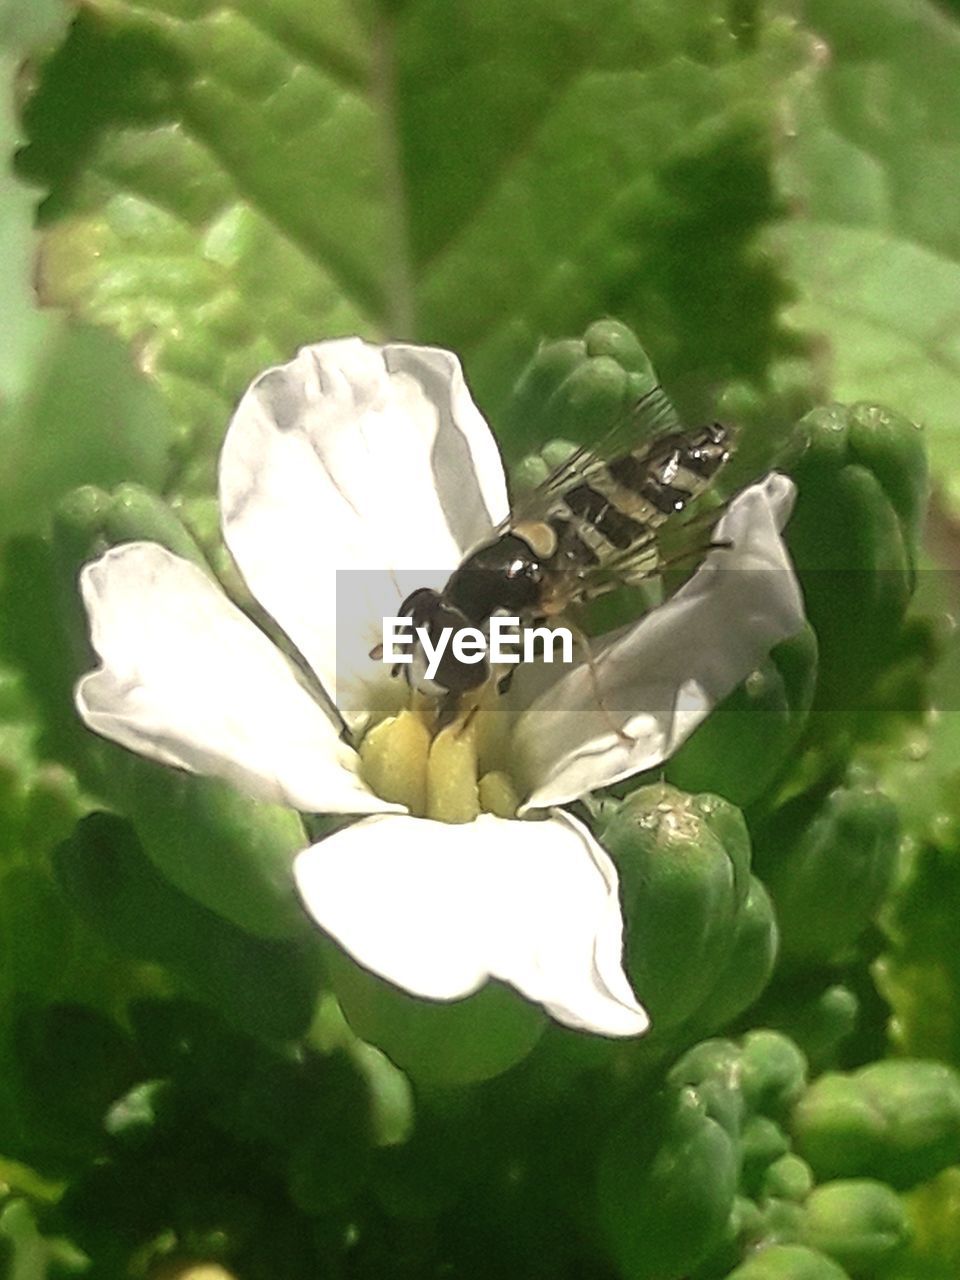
593,525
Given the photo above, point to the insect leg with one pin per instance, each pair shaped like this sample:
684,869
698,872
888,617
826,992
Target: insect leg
582,640
694,553
447,710
505,681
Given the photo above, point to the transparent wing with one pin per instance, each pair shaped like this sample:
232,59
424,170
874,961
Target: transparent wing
646,559
649,419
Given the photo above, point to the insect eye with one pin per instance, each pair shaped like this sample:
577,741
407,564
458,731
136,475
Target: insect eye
529,570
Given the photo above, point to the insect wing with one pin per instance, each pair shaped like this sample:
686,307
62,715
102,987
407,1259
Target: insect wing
607,501
651,417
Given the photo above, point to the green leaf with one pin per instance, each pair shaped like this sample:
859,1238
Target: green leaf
874,246
228,181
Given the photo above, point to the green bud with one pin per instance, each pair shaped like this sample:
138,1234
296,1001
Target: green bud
749,965
261,985
134,514
529,473
457,1043
896,1120
613,339
682,885
883,442
861,475
782,1222
590,401
523,421
744,1228
773,1073
817,1023
902,691
892,447
576,387
230,852
713,1069
744,743
747,1219
78,528
762,1143
788,1178
88,521
666,1187
859,1223
788,1262
709,1060
830,878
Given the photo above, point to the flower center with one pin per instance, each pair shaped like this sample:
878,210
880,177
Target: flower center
451,776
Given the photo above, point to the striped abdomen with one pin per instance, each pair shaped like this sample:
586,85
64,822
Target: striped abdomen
618,505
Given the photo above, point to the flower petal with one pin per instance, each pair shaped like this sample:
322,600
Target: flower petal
656,680
187,679
438,909
364,460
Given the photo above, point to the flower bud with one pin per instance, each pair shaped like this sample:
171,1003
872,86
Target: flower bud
666,1188
859,1223
745,741
896,1120
818,1023
788,1178
829,875
749,965
713,1069
773,1072
229,852
683,886
264,986
577,388
459,1043
762,1143
788,1262
89,520
862,484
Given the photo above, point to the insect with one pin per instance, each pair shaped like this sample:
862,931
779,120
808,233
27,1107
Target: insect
590,527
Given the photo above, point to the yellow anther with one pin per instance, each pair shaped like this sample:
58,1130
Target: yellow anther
452,792
497,795
393,760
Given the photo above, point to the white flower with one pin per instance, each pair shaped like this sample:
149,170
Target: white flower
358,457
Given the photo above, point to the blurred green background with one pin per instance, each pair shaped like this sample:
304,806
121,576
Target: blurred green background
767,195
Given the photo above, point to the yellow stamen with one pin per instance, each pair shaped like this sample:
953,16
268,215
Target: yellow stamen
497,795
452,792
393,760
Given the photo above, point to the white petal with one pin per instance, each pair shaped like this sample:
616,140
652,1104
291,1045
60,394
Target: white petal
187,679
659,678
438,909
360,459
